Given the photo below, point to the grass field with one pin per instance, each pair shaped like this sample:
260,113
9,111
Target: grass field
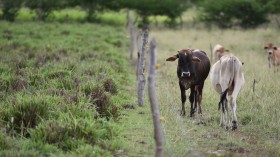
258,132
67,89
62,88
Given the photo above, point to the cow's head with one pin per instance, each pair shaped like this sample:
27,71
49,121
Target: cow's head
185,63
270,48
221,51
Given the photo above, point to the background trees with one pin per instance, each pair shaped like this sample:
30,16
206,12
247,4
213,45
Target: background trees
228,13
223,13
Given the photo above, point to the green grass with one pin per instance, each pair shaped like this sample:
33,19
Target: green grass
258,112
54,74
62,88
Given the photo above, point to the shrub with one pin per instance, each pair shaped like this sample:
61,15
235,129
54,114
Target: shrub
228,13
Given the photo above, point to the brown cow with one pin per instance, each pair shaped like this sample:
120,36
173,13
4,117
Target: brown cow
227,79
192,70
218,52
273,53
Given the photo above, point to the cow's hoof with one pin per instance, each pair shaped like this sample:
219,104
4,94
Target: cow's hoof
192,113
234,125
227,128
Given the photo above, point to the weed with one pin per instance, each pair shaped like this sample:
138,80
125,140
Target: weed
110,86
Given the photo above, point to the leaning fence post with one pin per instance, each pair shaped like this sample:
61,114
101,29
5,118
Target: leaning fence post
141,70
158,134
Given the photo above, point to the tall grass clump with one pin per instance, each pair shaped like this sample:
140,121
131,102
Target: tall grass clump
71,132
25,111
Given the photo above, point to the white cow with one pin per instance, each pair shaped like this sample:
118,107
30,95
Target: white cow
227,79
218,51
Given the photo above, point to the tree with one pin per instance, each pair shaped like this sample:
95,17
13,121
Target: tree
43,8
228,13
146,8
93,6
10,9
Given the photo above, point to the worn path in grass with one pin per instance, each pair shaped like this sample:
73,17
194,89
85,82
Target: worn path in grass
258,132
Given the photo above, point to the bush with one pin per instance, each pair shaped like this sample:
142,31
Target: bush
10,9
228,13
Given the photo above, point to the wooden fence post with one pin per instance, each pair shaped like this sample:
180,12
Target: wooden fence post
139,41
131,26
158,133
141,69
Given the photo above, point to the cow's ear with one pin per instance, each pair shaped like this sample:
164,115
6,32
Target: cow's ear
265,47
226,50
275,48
195,59
172,58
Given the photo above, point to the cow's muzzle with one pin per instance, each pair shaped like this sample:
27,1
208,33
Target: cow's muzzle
186,74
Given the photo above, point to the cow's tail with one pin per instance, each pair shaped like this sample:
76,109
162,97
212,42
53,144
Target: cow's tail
222,99
232,62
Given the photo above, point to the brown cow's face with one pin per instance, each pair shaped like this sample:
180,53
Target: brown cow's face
269,49
185,63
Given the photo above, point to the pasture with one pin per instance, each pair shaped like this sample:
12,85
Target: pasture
59,72
257,111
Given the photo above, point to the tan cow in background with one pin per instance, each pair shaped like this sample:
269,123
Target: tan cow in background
227,79
218,51
273,53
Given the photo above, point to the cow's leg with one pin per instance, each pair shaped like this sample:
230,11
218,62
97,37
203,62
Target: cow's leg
233,106
235,92
234,117
192,100
226,114
222,120
199,98
224,111
183,99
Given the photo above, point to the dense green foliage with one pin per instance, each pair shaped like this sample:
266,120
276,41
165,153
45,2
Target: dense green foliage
146,8
224,13
43,7
62,89
228,13
10,8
